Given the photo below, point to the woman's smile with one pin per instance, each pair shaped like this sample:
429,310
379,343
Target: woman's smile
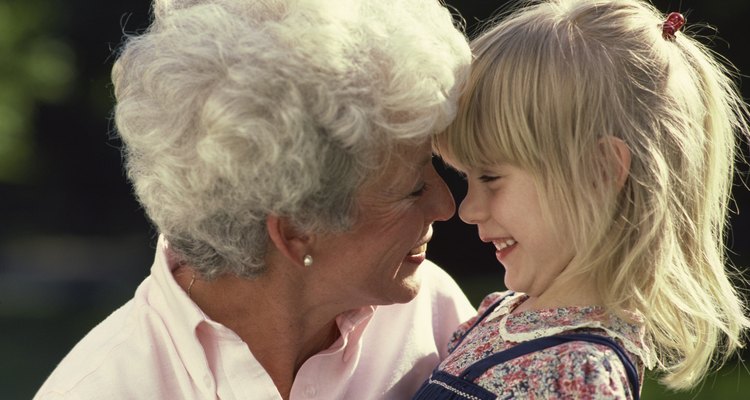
417,255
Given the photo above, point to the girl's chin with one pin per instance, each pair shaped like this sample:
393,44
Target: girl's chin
514,285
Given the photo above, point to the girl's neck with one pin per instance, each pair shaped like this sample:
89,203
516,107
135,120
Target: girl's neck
559,295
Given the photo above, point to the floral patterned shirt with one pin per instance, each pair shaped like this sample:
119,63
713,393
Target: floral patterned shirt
580,370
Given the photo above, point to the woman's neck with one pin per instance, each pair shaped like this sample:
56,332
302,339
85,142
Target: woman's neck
281,325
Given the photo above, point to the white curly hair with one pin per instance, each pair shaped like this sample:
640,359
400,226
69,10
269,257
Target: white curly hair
230,111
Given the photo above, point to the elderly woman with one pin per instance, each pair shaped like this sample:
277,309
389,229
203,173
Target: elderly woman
282,148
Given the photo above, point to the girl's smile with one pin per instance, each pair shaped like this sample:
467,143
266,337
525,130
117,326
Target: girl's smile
503,202
503,247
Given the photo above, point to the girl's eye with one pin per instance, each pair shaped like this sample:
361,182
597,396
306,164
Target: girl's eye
488,178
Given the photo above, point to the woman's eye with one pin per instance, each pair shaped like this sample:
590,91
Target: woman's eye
419,191
488,178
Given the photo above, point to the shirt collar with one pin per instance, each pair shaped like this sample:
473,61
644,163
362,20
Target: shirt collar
532,324
352,326
183,316
173,297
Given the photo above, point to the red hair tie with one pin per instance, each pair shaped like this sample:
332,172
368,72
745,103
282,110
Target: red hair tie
674,22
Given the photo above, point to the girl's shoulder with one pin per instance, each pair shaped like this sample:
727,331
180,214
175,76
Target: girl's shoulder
574,369
629,333
497,300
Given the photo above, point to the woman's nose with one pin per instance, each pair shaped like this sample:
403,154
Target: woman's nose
443,205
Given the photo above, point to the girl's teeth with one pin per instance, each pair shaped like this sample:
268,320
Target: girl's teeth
504,244
418,250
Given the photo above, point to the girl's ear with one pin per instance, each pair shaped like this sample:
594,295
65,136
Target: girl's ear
620,151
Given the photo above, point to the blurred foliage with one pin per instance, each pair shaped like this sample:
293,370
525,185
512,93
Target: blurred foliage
730,383
35,66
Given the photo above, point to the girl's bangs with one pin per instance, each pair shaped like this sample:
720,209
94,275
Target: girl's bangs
492,125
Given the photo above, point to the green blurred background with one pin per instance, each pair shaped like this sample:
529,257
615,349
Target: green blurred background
74,243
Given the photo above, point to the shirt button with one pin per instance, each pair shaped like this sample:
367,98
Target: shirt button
311,391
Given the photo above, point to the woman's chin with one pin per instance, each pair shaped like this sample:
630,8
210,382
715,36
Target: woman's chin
407,289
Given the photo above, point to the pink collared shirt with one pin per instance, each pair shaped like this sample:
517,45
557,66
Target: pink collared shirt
160,345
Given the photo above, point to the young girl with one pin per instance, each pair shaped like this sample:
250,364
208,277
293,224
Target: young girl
598,142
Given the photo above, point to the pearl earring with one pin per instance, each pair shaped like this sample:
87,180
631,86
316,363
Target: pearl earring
308,260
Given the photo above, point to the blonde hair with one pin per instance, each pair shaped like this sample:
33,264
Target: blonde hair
231,110
550,83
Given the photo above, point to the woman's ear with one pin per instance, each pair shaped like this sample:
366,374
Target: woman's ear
289,241
616,147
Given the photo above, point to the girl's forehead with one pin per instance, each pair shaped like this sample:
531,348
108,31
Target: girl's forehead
467,168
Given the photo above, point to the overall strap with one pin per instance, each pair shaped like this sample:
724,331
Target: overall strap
475,370
487,312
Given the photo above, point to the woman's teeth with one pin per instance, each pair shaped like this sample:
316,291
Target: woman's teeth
418,250
506,243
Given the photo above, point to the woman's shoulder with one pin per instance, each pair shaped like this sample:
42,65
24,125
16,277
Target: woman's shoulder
442,292
436,280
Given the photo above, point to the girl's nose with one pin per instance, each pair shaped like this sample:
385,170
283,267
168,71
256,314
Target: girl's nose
472,210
